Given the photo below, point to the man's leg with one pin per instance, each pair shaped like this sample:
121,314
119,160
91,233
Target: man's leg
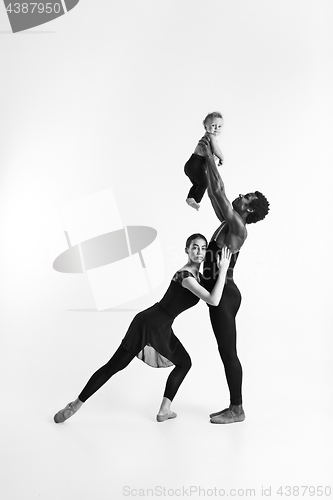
224,327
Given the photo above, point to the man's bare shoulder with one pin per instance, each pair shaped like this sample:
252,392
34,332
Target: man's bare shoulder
237,225
234,239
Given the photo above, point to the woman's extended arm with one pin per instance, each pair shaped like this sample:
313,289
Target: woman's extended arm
213,298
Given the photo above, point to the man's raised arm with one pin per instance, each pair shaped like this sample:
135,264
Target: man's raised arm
216,190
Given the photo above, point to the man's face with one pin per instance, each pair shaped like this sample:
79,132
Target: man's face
241,204
214,126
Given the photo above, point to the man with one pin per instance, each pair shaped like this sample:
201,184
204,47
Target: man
232,233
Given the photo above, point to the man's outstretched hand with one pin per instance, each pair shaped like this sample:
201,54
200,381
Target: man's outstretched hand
204,144
215,182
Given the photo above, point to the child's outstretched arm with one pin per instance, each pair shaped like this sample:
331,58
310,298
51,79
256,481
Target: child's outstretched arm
215,147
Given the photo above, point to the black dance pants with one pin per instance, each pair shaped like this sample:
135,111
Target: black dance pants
223,319
195,169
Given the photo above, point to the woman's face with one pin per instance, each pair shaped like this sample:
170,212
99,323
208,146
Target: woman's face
197,250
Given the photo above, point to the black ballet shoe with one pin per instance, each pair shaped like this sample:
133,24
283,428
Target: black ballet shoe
162,418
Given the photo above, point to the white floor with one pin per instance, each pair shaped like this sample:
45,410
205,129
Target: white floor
113,448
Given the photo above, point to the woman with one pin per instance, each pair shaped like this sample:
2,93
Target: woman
150,336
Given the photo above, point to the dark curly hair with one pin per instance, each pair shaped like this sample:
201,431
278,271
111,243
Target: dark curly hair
211,116
194,237
260,208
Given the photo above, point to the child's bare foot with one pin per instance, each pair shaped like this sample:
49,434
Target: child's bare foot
192,203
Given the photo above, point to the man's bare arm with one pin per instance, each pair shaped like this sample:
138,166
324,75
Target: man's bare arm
216,190
215,205
215,147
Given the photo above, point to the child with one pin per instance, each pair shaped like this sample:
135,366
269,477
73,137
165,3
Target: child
195,168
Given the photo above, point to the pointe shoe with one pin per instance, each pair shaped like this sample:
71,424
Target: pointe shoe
192,203
228,416
64,414
162,418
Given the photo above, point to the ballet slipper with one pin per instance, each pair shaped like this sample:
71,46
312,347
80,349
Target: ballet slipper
64,414
162,418
217,413
228,416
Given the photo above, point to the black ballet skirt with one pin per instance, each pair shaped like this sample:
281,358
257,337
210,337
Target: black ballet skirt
150,336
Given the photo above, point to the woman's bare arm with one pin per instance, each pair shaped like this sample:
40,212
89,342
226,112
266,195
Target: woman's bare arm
213,298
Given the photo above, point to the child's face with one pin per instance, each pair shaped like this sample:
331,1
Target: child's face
214,126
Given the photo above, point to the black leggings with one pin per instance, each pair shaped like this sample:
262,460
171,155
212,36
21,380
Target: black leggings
122,358
195,170
223,319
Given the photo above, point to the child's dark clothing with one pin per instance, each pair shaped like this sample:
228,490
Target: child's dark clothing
195,169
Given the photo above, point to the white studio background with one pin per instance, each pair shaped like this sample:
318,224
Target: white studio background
112,95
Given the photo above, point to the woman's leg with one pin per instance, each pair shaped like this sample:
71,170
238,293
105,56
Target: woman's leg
119,361
182,362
